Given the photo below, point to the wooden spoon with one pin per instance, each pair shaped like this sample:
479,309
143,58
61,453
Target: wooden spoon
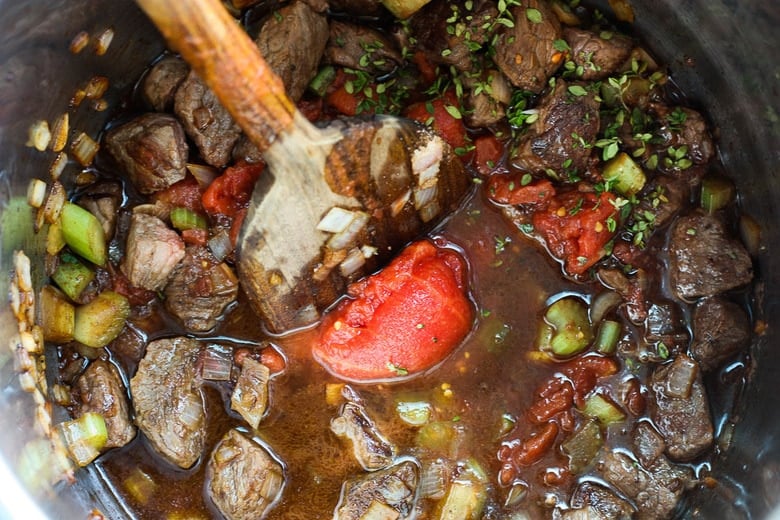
336,202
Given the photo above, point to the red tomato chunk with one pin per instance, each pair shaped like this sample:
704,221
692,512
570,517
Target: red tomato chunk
400,321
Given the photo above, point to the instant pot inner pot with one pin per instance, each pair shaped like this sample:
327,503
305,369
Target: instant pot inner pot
721,53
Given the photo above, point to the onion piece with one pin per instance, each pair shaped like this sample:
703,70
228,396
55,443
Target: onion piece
345,238
205,175
379,511
250,397
216,363
398,204
336,220
96,87
59,133
220,245
354,261
602,304
84,149
58,165
36,193
84,437
433,480
140,486
39,135
79,42
54,202
682,375
103,41
191,412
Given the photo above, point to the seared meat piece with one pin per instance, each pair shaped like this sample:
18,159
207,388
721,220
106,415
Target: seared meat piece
151,149
390,491
369,447
664,323
720,329
526,52
168,401
250,396
245,150
555,140
200,289
679,408
205,120
103,199
360,48
487,106
432,25
101,391
153,251
357,7
602,502
292,41
597,56
160,84
244,479
649,446
684,127
665,197
704,260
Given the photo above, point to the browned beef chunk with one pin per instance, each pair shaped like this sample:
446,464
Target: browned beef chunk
153,250
488,95
649,446
244,479
200,289
679,408
704,260
664,325
168,401
720,329
686,127
245,150
599,57
205,120
292,41
525,52
655,491
369,447
101,391
250,396
357,7
603,502
664,199
561,138
388,493
360,48
151,149
103,199
160,83
432,28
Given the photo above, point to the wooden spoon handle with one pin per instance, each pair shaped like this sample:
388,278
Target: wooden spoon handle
229,62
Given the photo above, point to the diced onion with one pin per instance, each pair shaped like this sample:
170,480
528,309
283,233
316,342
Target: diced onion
429,211
343,239
84,149
602,304
398,204
96,87
336,220
54,203
79,42
191,412
354,261
84,437
103,41
140,485
682,374
220,245
59,133
424,196
216,363
39,135
58,165
368,251
36,193
433,480
205,175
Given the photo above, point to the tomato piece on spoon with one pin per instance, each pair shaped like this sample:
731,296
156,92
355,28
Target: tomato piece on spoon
400,321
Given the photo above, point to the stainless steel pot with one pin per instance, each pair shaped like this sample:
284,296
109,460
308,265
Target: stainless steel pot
721,52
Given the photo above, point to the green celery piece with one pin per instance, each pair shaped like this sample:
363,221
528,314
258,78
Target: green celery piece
624,174
183,219
72,276
83,233
101,320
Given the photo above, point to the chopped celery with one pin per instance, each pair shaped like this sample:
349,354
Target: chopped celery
72,275
379,511
439,436
464,500
414,413
624,175
58,316
602,408
84,234
140,486
403,9
84,437
184,218
571,328
583,446
716,193
607,336
98,322
325,76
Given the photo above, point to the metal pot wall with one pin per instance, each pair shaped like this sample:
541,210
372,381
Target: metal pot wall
721,52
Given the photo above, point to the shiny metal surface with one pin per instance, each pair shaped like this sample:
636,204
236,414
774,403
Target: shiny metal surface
721,52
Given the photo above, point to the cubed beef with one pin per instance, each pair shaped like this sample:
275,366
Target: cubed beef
649,445
598,56
720,329
361,48
153,250
200,289
432,25
488,96
160,83
292,41
526,51
357,7
168,401
151,149
101,391
388,493
682,126
205,120
560,139
665,197
704,259
679,408
244,480
602,501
